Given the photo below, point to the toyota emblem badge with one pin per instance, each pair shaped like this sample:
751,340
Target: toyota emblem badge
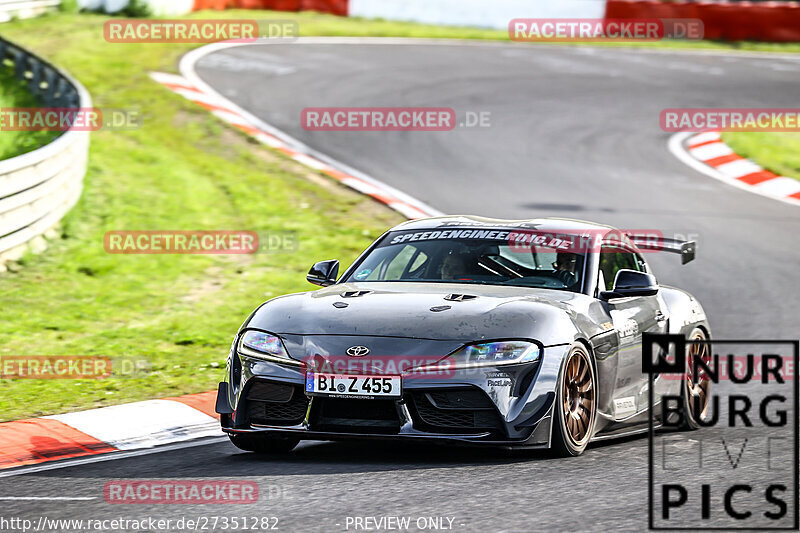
357,351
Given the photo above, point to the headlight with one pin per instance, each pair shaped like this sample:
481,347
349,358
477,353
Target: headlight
493,353
263,345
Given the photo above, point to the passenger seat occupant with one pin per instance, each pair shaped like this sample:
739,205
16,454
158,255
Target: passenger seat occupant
565,268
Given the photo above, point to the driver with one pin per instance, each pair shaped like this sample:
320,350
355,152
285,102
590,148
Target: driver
453,267
565,268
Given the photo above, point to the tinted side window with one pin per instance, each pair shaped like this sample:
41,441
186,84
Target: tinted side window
612,260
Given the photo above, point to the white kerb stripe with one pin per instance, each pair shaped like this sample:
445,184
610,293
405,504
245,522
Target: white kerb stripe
703,137
362,186
408,210
310,162
142,424
739,168
781,187
196,96
231,118
710,151
270,141
172,79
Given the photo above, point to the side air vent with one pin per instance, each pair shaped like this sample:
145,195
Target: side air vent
459,297
354,294
271,403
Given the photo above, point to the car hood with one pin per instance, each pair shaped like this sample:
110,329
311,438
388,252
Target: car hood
421,311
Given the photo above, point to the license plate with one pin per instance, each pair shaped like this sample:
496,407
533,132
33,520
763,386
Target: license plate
347,386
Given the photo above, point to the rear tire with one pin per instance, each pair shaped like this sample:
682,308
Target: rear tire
576,404
696,392
263,444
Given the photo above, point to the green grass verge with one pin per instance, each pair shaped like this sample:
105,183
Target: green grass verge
777,152
183,170
15,93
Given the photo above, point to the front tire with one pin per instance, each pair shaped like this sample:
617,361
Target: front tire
576,404
263,444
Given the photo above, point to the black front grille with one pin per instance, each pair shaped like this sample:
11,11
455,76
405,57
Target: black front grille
460,410
270,392
277,404
355,416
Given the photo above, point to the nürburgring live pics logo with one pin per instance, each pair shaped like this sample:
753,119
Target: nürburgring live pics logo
740,470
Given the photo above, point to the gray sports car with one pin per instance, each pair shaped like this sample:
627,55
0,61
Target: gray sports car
466,330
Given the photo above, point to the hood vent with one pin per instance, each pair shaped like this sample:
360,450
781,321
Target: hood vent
354,294
459,297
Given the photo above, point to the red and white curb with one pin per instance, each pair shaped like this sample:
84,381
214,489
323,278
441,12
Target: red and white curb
708,154
120,428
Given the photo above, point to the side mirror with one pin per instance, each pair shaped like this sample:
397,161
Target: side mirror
324,273
631,283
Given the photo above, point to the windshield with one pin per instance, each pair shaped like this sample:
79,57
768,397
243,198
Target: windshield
482,256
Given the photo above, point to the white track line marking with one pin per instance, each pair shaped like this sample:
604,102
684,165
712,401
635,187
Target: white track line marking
419,41
47,498
111,456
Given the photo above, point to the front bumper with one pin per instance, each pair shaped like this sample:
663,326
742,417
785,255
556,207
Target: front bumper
505,405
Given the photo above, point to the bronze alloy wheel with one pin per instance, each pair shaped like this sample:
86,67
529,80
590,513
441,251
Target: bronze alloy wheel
578,397
697,387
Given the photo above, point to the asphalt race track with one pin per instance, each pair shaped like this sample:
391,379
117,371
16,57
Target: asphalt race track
574,132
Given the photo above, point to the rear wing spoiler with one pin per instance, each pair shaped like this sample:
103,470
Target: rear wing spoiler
687,249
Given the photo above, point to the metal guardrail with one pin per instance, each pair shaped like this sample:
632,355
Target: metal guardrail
39,187
11,9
